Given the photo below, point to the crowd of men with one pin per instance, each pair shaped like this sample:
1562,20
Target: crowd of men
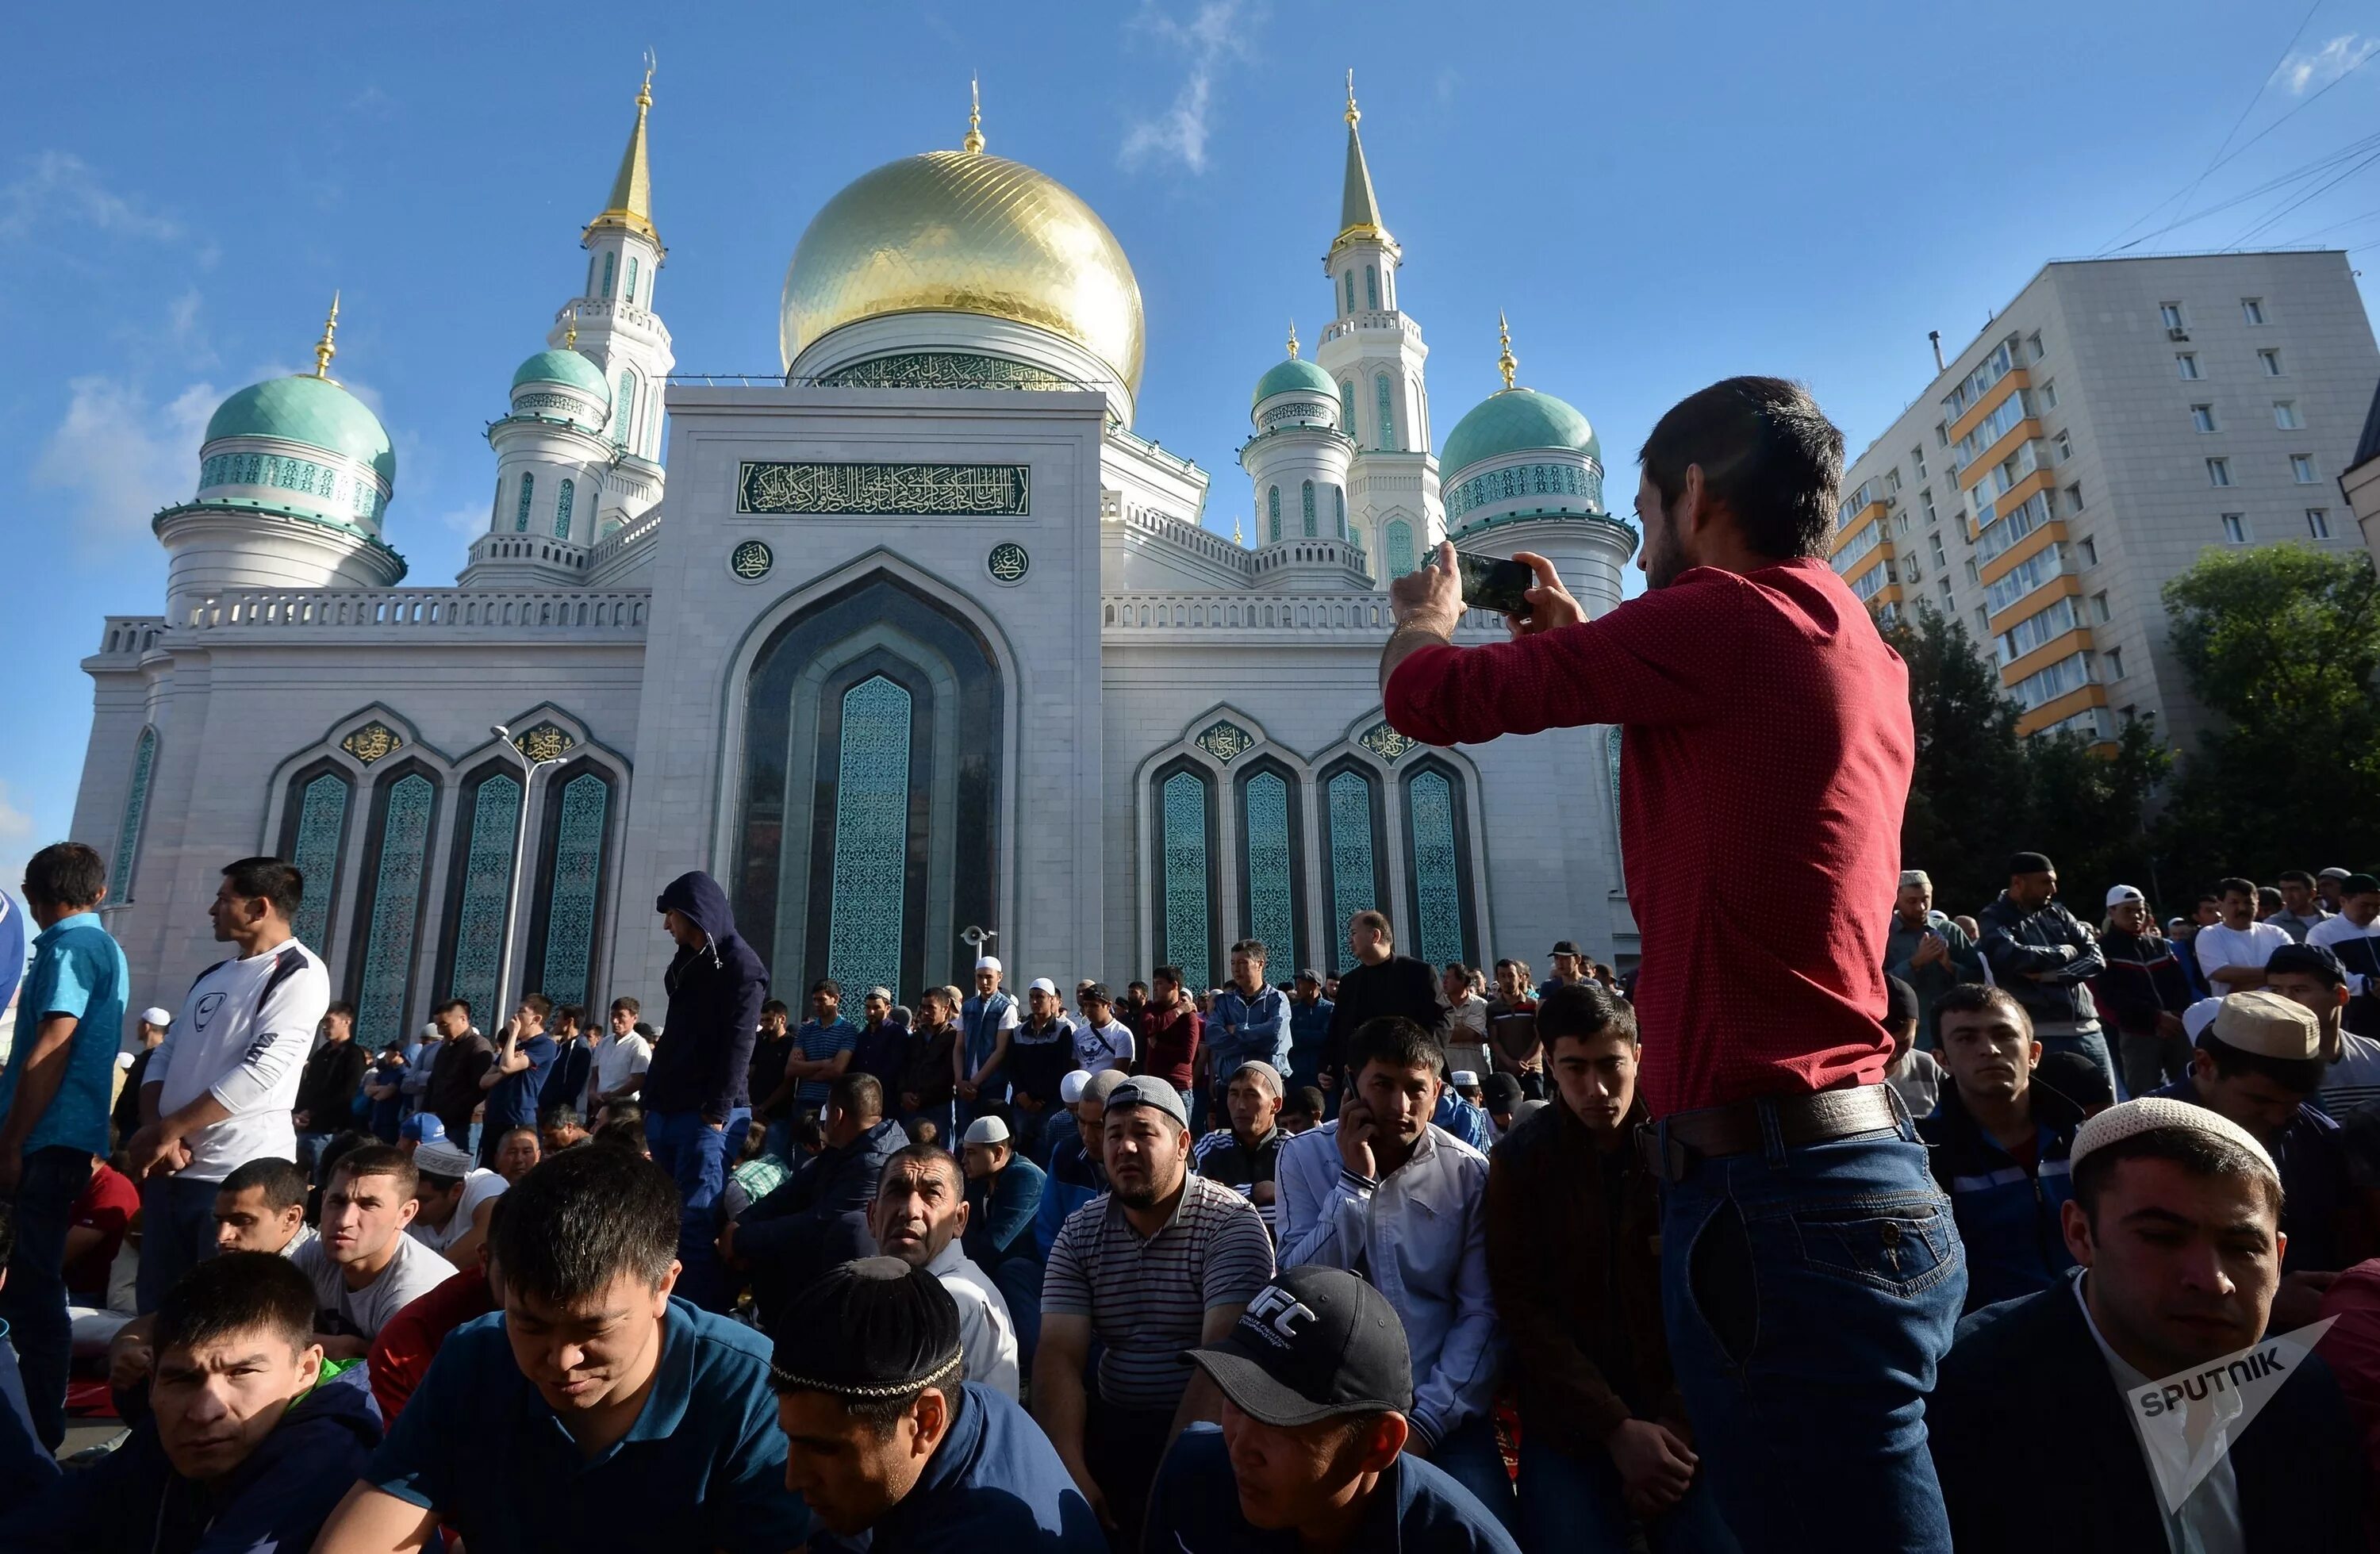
1868,1250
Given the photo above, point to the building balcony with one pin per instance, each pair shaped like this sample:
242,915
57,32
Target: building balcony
1972,415
2062,708
1989,458
2063,646
2049,534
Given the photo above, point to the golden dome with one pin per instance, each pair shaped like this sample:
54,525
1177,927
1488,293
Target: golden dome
960,231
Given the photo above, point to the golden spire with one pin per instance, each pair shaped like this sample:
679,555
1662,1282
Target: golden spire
1505,363
974,142
1236,540
630,208
1354,113
1359,208
326,347
1293,339
570,334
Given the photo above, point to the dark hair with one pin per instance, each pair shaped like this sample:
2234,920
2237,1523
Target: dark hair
2196,1150
2245,887
282,1183
65,874
924,1154
861,1095
809,1133
462,1003
1376,921
1768,455
631,1005
776,1006
237,1292
2295,876
1976,997
921,1130
538,1002
2300,1076
2269,898
1580,1010
1252,948
1396,1042
341,1006
622,1132
1168,973
570,1013
1306,1102
755,1141
2215,896
267,880
378,1160
1135,987
561,1117
584,1218
827,985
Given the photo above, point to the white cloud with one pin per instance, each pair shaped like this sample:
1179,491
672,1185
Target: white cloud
1216,32
122,456
16,844
59,188
2313,68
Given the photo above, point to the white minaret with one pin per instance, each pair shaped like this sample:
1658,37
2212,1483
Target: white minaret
556,464
1299,461
1373,352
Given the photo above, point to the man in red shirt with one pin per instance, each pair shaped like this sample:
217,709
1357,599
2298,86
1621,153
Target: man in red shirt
1812,1272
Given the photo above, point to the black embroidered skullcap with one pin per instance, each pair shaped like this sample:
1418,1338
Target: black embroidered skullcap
2029,863
872,1329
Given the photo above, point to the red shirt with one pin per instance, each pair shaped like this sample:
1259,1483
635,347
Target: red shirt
1765,758
402,1353
109,1201
1169,1044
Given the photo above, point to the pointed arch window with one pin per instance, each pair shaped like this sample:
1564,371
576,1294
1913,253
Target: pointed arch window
1397,546
1372,287
1347,407
313,831
1354,874
1273,516
1307,498
562,500
528,493
1272,896
872,835
1185,877
592,263
610,259
572,849
479,890
1384,395
623,412
136,814
496,509
1339,507
1351,290
628,292
389,912
1436,864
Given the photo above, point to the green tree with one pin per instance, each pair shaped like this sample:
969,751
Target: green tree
2085,805
2283,643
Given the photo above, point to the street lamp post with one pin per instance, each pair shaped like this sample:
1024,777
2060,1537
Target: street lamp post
520,860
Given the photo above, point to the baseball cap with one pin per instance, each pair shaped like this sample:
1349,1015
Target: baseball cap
1314,1343
1069,1088
441,1159
1310,975
1146,1091
1042,985
2265,1023
985,1130
1563,947
2118,894
423,1127
989,962
156,1016
2319,960
1503,1092
1097,992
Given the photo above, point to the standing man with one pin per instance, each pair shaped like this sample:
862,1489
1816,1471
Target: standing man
2145,990
1513,1044
694,1093
54,1103
2232,952
1381,983
151,1028
574,1062
884,1042
2354,937
326,1090
1041,1053
1309,1029
621,1061
517,1078
1569,967
767,1082
218,1094
1760,829
1925,948
454,1092
1172,1035
2301,908
823,1046
1250,1022
985,1022
1466,1019
2042,956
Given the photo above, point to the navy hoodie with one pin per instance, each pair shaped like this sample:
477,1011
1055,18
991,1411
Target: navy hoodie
274,1503
715,994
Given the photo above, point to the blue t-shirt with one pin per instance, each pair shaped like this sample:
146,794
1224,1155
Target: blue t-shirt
703,1467
77,970
1194,1508
819,1043
994,1483
512,1103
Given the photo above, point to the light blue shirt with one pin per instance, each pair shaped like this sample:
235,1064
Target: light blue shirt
79,971
1243,1030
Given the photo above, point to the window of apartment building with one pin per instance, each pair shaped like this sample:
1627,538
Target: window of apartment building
1948,604
2318,523
2032,345
2113,658
2186,363
2100,605
2171,313
1972,575
2218,471
2270,361
1901,522
1941,434
2049,395
2285,416
1917,457
2088,549
1940,559
1982,622
1926,496
2253,309
1892,479
2074,496
2235,528
2201,417
2065,447
2302,468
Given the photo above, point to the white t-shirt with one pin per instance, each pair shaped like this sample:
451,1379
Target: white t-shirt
987,1332
243,1035
477,1187
2332,931
1102,1047
411,1274
617,1059
2353,1082
2220,946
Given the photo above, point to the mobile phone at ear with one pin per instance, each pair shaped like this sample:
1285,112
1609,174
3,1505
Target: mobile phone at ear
1490,584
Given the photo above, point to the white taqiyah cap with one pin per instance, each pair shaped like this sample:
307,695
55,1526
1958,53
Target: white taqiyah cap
2151,1113
1069,1088
124,1059
441,1159
985,1130
2118,894
2266,1024
1465,1080
989,962
156,1016
2199,1015
1043,985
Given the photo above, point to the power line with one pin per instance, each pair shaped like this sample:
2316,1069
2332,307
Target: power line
2320,164
2242,240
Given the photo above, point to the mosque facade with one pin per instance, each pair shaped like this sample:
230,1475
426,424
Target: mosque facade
922,649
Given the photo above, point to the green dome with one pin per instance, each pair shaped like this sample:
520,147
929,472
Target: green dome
564,367
1514,420
312,411
1294,373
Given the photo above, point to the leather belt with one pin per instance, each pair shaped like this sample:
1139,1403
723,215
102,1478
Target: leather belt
1671,1147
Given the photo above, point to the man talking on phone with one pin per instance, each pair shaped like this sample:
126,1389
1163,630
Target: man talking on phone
1811,1270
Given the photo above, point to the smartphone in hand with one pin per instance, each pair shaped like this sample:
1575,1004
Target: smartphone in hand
1490,584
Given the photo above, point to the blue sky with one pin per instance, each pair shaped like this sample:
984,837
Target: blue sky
1660,196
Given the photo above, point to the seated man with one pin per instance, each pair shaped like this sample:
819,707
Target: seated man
890,1448
1505,1095
919,1211
251,1432
1997,1144
409,1341
2033,1422
562,1127
517,1152
364,1266
1913,1071
1242,1156
452,1203
1384,1190
1003,1196
819,1218
596,1411
1303,1111
1077,1174
2311,974
1311,1456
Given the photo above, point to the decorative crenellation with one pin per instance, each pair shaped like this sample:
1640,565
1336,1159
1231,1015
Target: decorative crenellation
544,400
887,489
342,493
1225,740
372,741
545,742
1527,479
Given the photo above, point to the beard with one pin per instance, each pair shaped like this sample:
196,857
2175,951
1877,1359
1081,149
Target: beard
1662,561
1145,1196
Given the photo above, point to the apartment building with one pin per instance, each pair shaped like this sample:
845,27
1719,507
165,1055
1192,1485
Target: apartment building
2114,421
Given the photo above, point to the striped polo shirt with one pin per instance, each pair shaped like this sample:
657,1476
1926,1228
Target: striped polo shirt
1148,1297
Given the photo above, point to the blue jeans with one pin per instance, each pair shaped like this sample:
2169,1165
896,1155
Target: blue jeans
2092,1045
696,1155
1469,1456
178,1233
1809,1292
1573,1505
33,1296
310,1149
